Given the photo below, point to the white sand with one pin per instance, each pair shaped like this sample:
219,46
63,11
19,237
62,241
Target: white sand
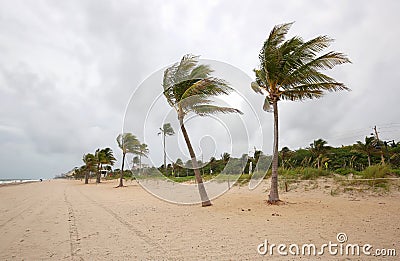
62,219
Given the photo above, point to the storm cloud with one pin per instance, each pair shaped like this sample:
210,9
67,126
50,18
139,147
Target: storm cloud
68,68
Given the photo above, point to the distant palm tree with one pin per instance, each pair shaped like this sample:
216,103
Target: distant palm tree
142,150
166,130
178,167
90,164
285,152
225,157
99,155
291,70
318,150
135,161
128,143
188,88
103,157
367,148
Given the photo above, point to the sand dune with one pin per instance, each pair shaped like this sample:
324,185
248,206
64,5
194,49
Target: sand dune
62,219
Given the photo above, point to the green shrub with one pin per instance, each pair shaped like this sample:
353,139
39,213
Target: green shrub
346,171
375,171
288,173
312,173
396,172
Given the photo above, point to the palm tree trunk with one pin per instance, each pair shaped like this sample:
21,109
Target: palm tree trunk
98,173
165,156
205,201
86,177
382,157
121,183
140,162
273,194
369,160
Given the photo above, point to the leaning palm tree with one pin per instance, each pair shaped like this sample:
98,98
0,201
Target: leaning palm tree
142,150
166,130
90,164
189,88
103,157
367,148
291,70
108,157
128,143
100,157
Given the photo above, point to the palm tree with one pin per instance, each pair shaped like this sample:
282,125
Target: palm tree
177,167
285,152
99,158
128,143
90,163
188,88
367,148
108,157
291,70
103,157
166,130
142,150
318,149
135,161
225,157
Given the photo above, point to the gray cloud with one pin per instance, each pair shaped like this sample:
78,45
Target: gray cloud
68,68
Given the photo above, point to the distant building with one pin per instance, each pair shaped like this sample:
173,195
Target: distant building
105,170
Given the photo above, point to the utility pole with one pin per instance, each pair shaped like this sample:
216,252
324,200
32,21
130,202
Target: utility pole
377,138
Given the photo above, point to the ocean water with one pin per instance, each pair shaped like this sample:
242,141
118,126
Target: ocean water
7,181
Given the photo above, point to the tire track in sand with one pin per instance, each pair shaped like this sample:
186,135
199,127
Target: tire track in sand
73,231
148,240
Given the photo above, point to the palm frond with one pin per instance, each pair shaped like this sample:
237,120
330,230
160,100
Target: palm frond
256,88
207,87
261,79
208,109
312,47
275,38
187,104
188,86
184,68
299,94
267,104
200,72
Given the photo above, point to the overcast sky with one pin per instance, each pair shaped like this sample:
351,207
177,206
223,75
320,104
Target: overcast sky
68,68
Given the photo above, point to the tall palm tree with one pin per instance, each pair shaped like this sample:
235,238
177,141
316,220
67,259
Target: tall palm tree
318,150
128,143
142,150
90,164
367,148
291,70
166,130
189,88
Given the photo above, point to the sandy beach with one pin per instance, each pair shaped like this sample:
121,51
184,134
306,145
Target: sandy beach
67,220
